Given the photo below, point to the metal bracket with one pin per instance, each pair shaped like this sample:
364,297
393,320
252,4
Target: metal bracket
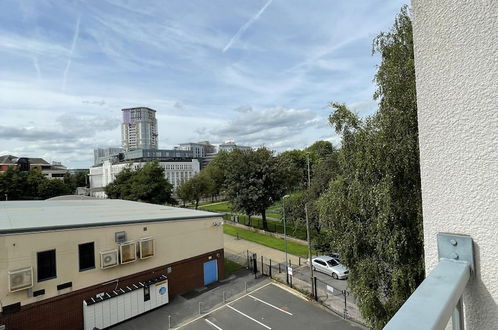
456,247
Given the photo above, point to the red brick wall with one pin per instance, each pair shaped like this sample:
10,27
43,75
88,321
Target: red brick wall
66,311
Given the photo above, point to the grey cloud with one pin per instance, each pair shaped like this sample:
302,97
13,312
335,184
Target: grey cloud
268,119
87,125
101,102
274,127
28,134
243,109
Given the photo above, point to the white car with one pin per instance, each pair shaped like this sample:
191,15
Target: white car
330,266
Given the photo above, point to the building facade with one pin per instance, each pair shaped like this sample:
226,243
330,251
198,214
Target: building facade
176,171
231,146
60,257
456,47
54,170
139,129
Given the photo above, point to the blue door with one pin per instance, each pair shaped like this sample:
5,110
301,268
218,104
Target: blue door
210,272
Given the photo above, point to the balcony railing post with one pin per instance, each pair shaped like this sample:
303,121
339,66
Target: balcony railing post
439,297
457,317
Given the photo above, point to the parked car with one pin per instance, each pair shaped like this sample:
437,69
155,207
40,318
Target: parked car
334,255
330,266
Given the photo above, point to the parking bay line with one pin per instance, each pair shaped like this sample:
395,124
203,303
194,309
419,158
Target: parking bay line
214,325
223,306
267,303
253,319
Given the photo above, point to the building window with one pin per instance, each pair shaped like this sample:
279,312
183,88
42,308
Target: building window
87,256
46,265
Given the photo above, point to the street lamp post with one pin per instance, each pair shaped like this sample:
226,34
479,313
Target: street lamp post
308,234
285,239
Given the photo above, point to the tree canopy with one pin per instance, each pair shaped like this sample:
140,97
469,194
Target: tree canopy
32,184
253,181
146,184
373,208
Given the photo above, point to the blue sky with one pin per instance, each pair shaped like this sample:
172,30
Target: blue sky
261,72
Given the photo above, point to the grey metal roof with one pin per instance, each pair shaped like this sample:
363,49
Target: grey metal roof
30,216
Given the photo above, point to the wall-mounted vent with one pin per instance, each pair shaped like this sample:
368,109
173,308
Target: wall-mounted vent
120,237
20,279
128,252
146,247
108,259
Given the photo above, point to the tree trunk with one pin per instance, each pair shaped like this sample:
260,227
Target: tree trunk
265,224
196,203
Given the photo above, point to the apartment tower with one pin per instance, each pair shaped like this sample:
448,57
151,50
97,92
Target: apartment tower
139,129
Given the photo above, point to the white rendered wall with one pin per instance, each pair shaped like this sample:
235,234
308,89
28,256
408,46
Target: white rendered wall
456,64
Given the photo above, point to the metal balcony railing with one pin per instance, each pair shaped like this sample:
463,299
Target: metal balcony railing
439,296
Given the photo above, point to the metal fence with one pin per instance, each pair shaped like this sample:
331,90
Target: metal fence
338,300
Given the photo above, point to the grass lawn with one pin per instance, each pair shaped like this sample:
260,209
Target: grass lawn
276,243
231,267
217,207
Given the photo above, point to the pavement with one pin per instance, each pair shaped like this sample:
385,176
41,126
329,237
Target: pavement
271,307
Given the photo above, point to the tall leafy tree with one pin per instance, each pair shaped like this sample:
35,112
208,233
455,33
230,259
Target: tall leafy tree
147,184
253,181
201,185
216,171
373,209
293,165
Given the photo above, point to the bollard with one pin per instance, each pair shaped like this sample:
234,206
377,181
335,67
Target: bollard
299,261
279,268
246,287
270,268
199,308
169,321
224,299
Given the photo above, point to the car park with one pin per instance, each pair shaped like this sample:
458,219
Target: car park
330,266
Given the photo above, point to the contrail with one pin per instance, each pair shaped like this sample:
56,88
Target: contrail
244,27
73,46
37,67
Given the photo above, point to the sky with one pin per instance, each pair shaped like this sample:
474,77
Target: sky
258,72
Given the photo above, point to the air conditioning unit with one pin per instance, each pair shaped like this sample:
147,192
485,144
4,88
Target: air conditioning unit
146,247
20,279
128,252
108,259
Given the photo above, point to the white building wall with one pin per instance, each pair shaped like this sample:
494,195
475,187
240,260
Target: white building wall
175,172
456,62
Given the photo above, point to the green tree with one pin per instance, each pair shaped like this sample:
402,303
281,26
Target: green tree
372,210
293,166
199,186
216,171
121,186
147,184
51,188
253,181
321,149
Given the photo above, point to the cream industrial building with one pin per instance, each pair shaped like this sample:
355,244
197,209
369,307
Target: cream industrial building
80,264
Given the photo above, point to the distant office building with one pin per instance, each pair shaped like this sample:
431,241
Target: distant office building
139,129
199,149
51,171
231,146
176,171
162,155
102,154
